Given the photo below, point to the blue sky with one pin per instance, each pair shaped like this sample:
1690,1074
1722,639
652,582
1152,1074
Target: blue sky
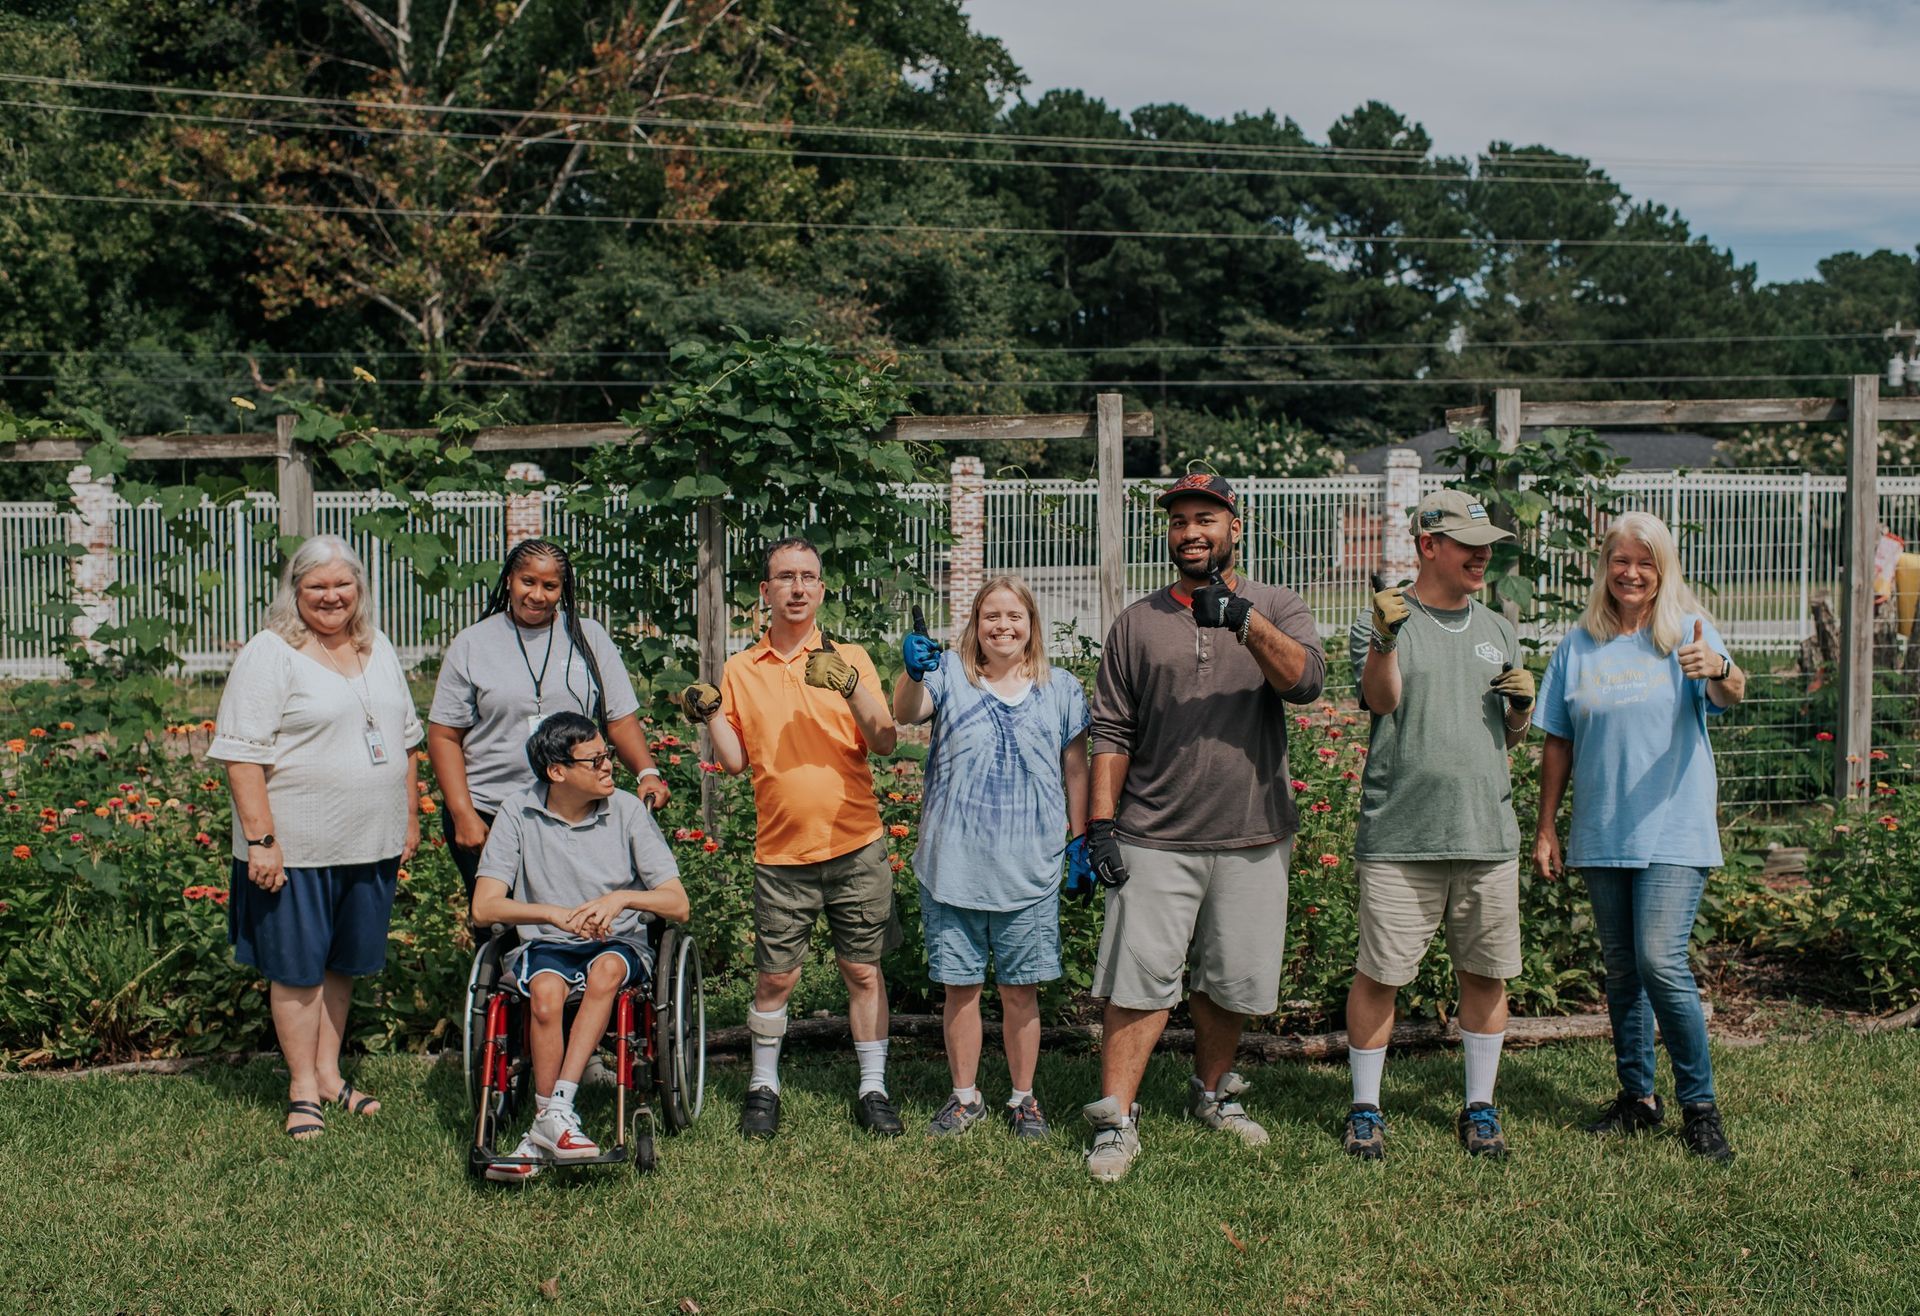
1782,128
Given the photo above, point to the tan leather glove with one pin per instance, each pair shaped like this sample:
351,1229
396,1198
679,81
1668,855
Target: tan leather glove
829,671
1515,685
698,701
1390,613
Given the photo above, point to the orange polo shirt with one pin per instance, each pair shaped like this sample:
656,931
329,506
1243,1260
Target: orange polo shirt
812,788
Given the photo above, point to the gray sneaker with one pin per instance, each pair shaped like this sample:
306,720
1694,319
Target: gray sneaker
1026,1121
954,1119
1223,1112
1115,1144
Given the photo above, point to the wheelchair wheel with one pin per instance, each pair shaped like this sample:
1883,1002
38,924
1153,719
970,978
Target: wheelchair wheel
645,1159
680,1030
482,981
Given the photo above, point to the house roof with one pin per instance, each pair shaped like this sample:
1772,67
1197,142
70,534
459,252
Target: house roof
1643,449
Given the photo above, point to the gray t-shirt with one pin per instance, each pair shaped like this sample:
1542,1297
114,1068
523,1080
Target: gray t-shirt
1437,784
488,685
544,859
1207,734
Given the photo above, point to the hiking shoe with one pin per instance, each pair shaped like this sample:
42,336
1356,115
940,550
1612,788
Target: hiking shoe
873,1112
1116,1140
526,1151
1702,1133
954,1118
760,1114
556,1131
1222,1112
1365,1136
1479,1129
1627,1115
1026,1121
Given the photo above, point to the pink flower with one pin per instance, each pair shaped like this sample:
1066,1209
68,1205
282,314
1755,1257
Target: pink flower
1298,785
1823,735
1330,860
1327,752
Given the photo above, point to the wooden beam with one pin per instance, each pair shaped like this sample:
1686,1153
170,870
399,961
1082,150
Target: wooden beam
1113,511
1899,409
147,447
1044,428
1679,411
1860,537
297,515
1507,410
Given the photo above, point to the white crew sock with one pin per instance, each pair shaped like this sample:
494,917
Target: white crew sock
1019,1096
541,1103
1483,1063
563,1093
766,1049
966,1096
873,1066
1366,1066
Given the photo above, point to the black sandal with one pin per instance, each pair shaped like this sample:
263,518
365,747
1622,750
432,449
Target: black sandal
357,1102
306,1132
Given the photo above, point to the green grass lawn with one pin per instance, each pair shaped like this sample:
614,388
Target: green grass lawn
180,1195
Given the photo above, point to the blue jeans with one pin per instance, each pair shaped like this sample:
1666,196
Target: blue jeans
1645,918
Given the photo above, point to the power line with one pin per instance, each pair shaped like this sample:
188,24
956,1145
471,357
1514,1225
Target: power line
1006,137
1139,385
958,349
858,226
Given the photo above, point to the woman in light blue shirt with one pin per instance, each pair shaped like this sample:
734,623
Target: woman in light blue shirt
1624,705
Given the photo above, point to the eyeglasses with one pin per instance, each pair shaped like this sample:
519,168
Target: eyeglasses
599,760
805,579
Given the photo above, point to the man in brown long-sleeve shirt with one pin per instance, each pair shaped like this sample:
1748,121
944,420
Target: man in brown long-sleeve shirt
1191,818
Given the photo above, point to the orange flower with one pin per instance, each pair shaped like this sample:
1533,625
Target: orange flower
66,726
17,745
710,846
428,806
23,852
405,876
206,724
102,812
897,830
38,733
217,897
48,827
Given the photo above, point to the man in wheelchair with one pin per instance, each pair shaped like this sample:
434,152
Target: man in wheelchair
579,867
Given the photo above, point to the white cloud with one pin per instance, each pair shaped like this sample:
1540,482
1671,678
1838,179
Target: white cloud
1678,99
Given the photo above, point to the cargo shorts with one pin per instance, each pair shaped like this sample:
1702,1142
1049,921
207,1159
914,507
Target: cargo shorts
1218,915
1402,902
854,890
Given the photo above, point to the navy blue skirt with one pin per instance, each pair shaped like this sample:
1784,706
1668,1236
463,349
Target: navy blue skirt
324,920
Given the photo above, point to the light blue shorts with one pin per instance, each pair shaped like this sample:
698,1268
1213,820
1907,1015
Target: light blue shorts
1024,943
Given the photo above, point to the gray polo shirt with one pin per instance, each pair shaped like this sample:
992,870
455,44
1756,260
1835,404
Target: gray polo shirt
544,859
486,688
1207,734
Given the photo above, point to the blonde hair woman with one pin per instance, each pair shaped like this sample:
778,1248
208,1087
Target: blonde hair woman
1006,786
1625,704
315,727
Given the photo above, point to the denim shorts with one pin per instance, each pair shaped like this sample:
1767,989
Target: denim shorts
323,920
570,960
1024,943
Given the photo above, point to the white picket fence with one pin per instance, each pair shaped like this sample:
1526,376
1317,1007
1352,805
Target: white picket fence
1758,545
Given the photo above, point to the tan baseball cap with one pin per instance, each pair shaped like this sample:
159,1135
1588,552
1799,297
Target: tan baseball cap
1457,516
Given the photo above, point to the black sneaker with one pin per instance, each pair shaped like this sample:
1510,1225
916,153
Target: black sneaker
1365,1136
760,1114
1702,1132
873,1112
1627,1115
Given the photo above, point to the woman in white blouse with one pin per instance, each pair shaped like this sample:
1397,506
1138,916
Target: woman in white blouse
316,727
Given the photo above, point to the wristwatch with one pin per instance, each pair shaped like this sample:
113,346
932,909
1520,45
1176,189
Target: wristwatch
1726,671
265,840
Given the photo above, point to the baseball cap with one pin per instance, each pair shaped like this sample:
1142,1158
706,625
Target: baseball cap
1460,518
1201,485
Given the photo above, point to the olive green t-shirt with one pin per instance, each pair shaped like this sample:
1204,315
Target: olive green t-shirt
1437,785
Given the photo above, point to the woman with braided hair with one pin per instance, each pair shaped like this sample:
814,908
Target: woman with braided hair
529,656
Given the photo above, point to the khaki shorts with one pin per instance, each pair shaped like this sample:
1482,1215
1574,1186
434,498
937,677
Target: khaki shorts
1220,914
1403,901
855,890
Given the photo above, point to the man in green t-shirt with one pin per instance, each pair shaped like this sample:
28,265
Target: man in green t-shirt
1445,681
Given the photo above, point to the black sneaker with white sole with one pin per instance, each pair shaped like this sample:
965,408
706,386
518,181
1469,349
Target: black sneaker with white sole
1627,1115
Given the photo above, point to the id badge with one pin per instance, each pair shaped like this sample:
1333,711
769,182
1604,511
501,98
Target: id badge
376,746
533,722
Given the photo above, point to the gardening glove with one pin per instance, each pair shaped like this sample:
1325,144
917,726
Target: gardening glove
698,701
918,650
1103,850
1217,606
1390,613
1079,869
829,671
1515,685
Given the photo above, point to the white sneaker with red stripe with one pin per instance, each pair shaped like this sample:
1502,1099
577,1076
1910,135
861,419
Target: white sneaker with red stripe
556,1131
526,1151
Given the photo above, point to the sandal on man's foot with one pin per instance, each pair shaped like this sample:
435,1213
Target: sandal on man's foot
306,1132
357,1102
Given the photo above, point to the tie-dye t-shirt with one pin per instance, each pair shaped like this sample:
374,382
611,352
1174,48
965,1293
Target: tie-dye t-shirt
993,821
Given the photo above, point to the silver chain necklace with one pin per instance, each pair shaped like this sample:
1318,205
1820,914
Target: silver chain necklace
1451,630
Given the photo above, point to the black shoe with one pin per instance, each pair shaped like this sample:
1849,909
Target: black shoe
1625,1114
874,1113
1702,1132
760,1114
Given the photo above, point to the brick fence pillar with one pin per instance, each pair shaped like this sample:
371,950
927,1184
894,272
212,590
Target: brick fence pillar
1398,558
94,571
967,558
526,512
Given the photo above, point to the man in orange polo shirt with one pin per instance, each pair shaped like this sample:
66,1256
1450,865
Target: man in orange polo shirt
803,712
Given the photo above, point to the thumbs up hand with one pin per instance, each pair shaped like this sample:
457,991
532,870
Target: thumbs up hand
919,651
1698,662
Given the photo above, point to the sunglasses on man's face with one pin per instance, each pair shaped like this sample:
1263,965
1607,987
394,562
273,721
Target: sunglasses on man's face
599,760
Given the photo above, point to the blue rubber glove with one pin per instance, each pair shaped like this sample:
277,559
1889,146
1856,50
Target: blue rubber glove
1079,869
921,653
